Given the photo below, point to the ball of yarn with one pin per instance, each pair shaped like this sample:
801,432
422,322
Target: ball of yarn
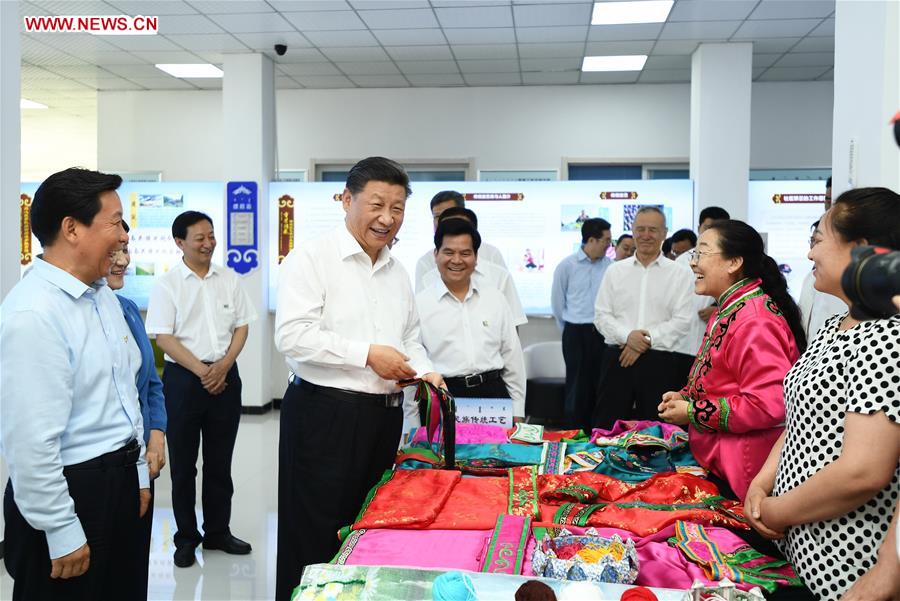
638,593
453,586
534,590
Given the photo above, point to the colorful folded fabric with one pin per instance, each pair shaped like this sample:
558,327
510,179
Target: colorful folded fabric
458,549
468,434
509,541
586,556
407,499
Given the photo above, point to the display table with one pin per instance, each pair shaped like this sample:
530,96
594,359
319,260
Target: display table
369,583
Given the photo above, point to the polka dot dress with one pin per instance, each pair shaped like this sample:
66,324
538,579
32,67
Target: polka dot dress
856,370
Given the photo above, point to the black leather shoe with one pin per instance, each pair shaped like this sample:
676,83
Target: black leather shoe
184,556
230,544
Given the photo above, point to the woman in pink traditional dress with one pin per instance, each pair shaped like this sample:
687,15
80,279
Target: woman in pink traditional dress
733,401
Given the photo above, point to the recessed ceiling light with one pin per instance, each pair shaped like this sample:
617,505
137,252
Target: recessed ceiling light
631,62
621,13
24,103
191,71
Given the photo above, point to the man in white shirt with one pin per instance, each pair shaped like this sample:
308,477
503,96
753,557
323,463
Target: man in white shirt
643,309
199,315
347,325
487,273
467,328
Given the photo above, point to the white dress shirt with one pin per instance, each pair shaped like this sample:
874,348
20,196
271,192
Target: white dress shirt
657,298
816,307
487,252
473,336
690,344
333,303
487,274
202,313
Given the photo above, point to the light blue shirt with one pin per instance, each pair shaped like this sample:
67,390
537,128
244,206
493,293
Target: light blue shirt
575,285
67,393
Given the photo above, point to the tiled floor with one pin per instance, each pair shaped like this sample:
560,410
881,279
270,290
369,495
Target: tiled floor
217,576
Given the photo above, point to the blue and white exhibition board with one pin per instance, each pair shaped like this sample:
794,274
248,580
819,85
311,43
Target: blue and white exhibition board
534,224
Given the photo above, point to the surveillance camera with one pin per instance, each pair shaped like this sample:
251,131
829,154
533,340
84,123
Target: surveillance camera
280,49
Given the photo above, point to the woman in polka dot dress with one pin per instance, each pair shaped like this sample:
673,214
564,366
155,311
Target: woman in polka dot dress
830,486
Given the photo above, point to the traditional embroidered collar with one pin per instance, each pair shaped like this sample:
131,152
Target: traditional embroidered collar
739,291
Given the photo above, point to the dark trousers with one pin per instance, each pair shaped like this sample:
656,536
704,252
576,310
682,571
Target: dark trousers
583,349
330,454
192,411
146,527
107,505
495,389
635,392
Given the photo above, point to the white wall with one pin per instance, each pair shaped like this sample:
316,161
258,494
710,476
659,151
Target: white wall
53,140
180,133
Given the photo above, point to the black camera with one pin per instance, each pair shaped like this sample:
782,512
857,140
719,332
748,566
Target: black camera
871,281
280,49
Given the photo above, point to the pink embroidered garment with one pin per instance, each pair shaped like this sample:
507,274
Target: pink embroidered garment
735,389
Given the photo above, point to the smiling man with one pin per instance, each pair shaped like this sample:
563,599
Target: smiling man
468,328
200,314
347,325
70,421
643,310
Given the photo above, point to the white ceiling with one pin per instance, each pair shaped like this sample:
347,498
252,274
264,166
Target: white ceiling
413,43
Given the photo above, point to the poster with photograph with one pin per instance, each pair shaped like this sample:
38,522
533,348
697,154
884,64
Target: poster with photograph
534,224
149,209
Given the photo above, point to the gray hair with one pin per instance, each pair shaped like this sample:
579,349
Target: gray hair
652,209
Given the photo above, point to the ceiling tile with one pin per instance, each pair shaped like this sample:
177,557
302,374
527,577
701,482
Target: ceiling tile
356,54
775,29
485,51
680,61
827,76
376,68
144,43
492,66
132,71
253,22
435,80
159,8
427,67
187,24
814,45
114,83
774,45
27,9
536,35
74,7
551,79
468,3
309,5
388,4
418,18
213,58
488,35
296,69
57,84
807,59
614,77
325,81
299,55
286,83
793,9
168,57
792,73
665,76
410,37
557,50
336,39
215,42
420,53
617,48
492,79
214,7
117,58
543,15
675,47
711,10
162,83
325,20
551,64
765,60
78,43
612,33
699,30
826,29
265,41
35,72
380,81
475,16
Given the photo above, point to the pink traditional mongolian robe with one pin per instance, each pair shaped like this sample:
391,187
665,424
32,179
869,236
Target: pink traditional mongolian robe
735,389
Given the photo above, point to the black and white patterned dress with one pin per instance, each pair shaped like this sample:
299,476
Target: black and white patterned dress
856,370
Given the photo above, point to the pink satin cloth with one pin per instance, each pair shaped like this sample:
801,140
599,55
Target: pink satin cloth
471,434
625,426
735,386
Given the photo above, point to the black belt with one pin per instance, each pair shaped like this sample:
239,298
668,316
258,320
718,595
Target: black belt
473,380
124,457
393,399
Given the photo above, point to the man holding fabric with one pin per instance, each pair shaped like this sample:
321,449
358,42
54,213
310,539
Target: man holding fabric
467,328
347,325
70,419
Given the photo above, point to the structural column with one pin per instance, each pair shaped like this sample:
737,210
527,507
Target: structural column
248,110
720,126
10,144
866,95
